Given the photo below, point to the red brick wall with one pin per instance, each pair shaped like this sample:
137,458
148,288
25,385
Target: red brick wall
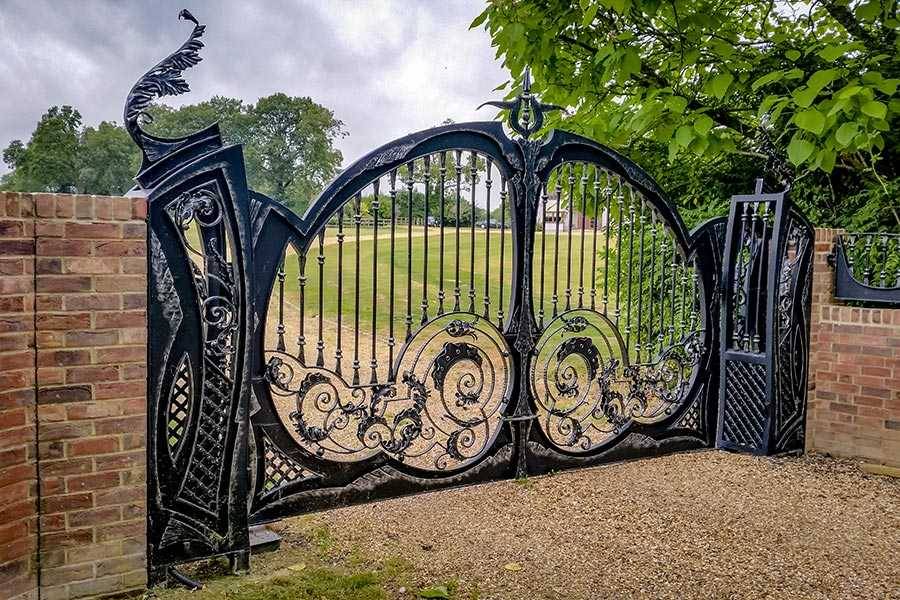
854,403
88,370
18,472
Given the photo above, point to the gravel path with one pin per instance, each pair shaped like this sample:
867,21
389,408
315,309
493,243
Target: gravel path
703,525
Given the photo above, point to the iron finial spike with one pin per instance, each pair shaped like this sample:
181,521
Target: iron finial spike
526,113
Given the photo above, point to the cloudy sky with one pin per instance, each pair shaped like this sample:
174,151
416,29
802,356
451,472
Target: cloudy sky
386,67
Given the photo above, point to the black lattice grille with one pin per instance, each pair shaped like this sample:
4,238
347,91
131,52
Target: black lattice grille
744,417
202,484
281,469
691,419
179,405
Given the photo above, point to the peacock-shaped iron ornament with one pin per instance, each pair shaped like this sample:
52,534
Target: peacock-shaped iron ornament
164,79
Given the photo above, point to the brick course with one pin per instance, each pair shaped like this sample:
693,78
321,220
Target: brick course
854,403
72,341
18,465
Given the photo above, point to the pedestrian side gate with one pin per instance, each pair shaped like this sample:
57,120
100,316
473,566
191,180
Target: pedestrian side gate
459,305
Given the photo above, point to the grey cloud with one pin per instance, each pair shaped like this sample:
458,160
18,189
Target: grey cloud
385,67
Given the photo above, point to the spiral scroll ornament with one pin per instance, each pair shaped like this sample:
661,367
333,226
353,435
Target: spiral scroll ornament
587,391
443,412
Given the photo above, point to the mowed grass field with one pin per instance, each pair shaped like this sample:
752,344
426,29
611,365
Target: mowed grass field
339,286
376,263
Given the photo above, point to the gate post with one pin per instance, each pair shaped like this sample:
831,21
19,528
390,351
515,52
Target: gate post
764,332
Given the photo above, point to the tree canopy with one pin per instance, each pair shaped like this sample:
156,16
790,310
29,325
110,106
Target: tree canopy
49,161
727,84
288,142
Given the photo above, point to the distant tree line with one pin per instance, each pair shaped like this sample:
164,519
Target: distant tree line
288,147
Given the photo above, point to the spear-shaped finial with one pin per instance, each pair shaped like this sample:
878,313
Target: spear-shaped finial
526,113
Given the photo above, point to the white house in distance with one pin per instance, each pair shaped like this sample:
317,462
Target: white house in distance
547,218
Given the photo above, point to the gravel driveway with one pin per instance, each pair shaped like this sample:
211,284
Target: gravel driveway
701,525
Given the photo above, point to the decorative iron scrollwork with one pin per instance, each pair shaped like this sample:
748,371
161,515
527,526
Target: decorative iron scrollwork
445,424
587,390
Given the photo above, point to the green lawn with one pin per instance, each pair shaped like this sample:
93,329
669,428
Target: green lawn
417,283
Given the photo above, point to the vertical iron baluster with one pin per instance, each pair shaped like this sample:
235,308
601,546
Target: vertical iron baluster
582,223
640,314
867,273
320,259
301,279
750,325
884,251
664,246
391,342
673,284
487,239
571,211
409,215
682,329
280,329
620,203
543,251
373,363
760,311
608,191
653,234
474,173
443,178
694,323
426,174
594,242
558,190
357,218
897,250
851,245
502,268
458,174
631,219
339,351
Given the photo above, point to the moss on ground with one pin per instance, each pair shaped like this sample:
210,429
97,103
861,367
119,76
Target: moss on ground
311,568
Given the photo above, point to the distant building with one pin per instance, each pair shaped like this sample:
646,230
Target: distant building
554,212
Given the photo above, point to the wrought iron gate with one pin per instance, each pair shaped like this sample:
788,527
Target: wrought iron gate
459,305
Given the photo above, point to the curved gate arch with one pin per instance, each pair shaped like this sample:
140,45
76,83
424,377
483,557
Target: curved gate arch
458,305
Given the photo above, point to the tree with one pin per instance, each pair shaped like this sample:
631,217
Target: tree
231,114
288,141
812,84
291,150
48,163
107,160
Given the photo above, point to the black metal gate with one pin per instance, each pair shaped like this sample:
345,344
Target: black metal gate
457,306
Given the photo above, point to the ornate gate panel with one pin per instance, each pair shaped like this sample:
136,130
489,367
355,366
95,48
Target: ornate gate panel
766,291
384,365
624,329
459,305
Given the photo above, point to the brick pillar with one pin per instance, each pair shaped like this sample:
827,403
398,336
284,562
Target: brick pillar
73,332
819,348
18,467
854,402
